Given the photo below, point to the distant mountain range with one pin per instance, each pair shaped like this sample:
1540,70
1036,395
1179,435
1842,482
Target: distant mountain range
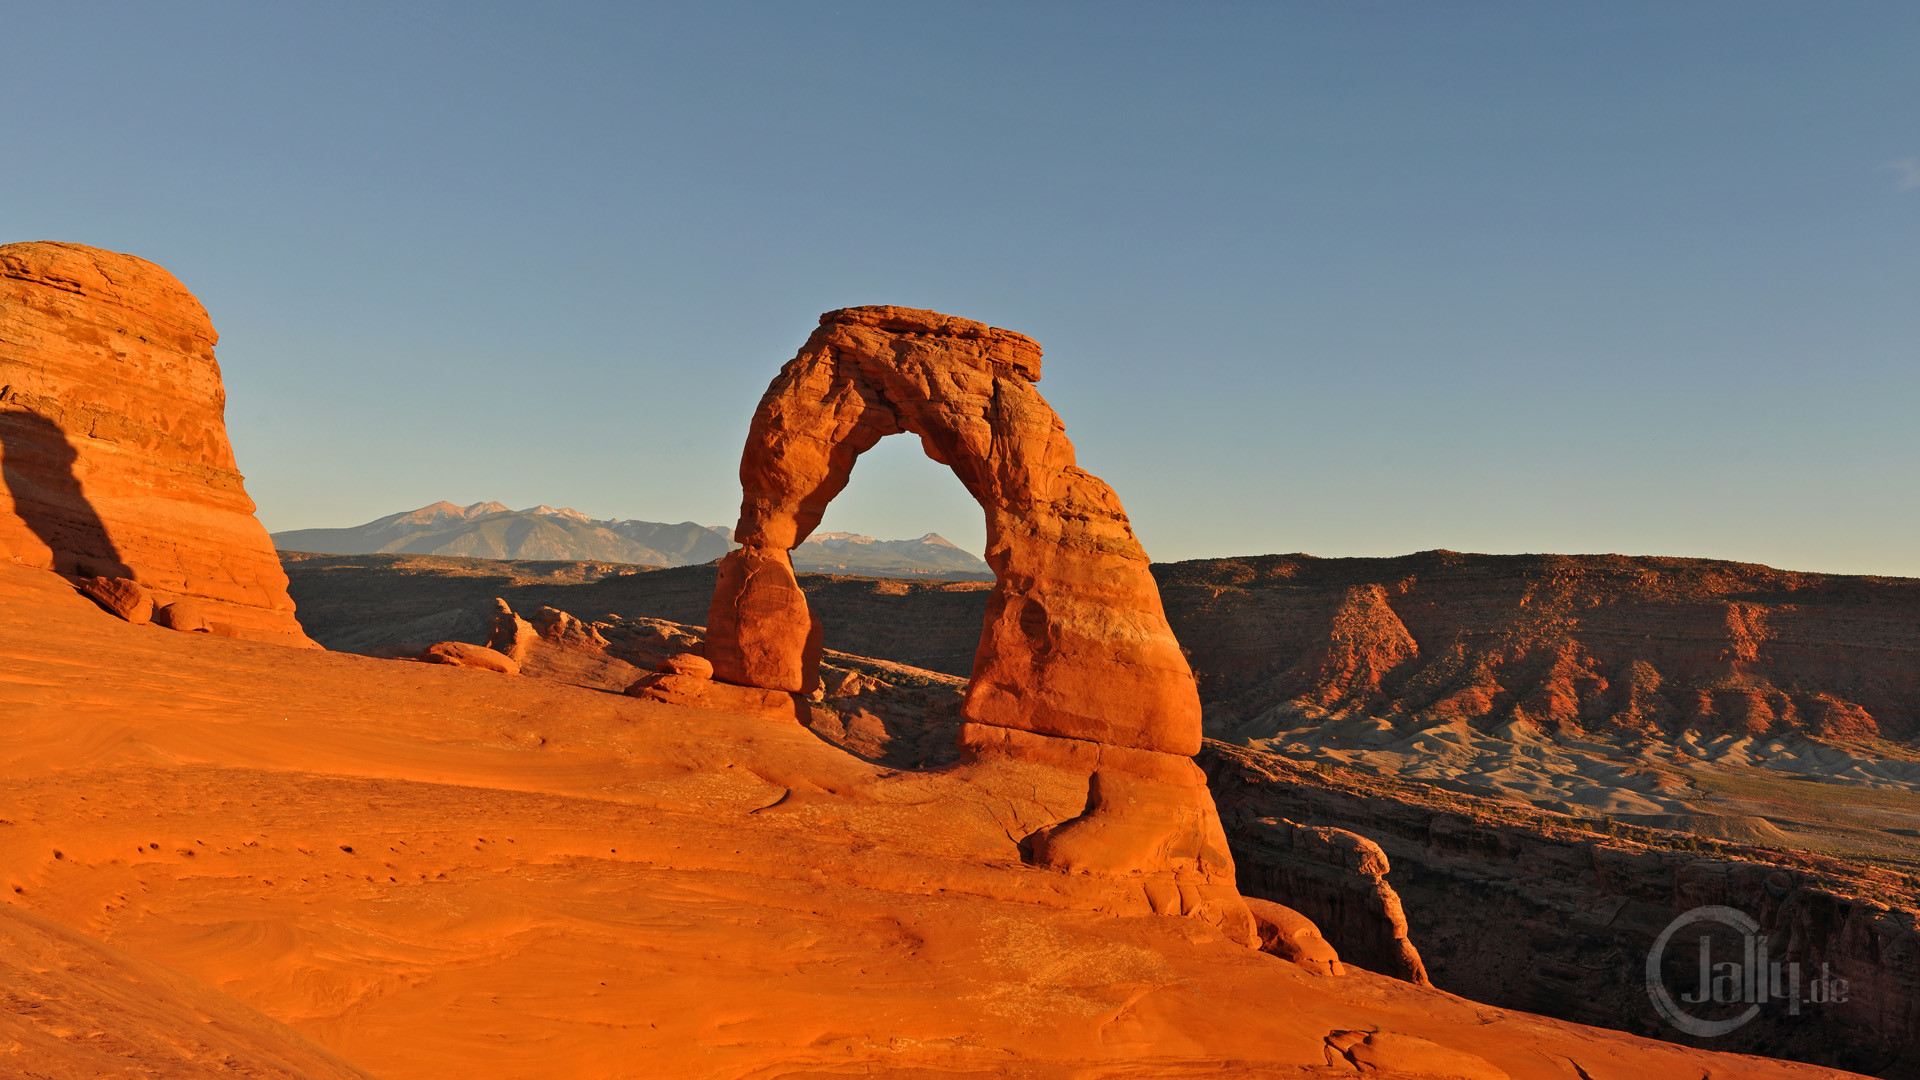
931,555
491,530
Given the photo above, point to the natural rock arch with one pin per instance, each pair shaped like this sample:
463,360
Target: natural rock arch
1077,667
1075,642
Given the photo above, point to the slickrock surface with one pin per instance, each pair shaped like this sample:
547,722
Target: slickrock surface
72,1008
113,440
433,871
1076,666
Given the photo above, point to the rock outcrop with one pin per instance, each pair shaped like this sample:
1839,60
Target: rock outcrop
1076,666
467,654
113,441
1075,645
1337,879
1290,935
124,597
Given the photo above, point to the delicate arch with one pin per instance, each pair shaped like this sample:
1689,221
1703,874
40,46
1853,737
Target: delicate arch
1075,642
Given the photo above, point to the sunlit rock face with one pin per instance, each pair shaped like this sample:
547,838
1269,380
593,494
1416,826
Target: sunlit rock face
1075,642
113,442
1076,666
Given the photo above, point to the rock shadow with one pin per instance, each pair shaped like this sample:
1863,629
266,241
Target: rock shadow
36,464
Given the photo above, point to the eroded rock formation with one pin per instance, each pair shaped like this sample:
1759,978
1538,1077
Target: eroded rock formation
1604,646
1338,879
467,654
113,442
1076,666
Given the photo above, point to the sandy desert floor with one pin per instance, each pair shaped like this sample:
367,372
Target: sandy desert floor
229,858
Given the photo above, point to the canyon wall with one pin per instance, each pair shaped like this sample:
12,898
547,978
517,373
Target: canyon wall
113,442
1529,911
1603,644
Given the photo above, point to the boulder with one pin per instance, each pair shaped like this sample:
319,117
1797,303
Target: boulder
699,693
124,597
692,665
113,440
1338,879
556,627
189,616
1292,936
465,654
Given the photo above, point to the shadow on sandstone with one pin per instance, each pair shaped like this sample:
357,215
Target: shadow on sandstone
36,461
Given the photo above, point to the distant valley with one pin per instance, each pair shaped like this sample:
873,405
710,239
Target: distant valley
492,530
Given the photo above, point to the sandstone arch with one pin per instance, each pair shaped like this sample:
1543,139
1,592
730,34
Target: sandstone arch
1076,667
1075,644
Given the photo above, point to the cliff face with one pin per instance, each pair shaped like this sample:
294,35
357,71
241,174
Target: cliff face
113,441
1595,644
1531,911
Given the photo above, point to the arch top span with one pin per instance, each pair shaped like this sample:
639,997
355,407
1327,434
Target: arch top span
1075,642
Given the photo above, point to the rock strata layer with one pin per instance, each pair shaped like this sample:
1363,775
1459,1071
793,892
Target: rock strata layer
113,441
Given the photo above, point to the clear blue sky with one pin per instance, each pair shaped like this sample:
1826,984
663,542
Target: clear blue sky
1345,278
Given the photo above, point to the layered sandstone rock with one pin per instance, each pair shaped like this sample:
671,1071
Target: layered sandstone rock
113,441
441,873
1338,880
1075,644
124,597
1290,935
1076,666
1605,646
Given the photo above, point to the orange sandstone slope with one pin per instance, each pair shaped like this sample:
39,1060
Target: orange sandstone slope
75,1009
436,871
113,442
